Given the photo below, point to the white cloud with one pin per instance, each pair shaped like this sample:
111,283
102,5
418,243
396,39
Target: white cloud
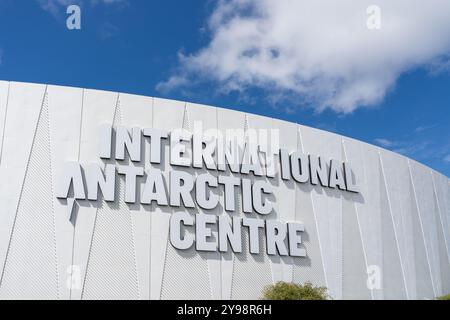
384,142
318,52
417,149
108,30
421,129
54,6
58,7
411,147
109,2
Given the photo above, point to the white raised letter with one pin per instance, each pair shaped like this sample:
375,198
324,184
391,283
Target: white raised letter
71,176
95,179
131,173
154,188
176,238
132,145
156,137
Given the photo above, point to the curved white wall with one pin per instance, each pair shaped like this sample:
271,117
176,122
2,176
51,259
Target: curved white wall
398,225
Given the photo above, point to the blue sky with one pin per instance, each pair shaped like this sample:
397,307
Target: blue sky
389,88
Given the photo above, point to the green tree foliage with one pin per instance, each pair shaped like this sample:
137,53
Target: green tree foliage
291,291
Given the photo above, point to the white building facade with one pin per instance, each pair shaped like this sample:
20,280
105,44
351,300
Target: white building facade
92,207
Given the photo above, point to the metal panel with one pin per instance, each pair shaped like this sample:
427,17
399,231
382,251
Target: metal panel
200,268
285,193
160,215
354,265
97,108
207,117
424,283
251,272
64,131
327,207
396,174
369,214
310,268
31,270
443,205
4,96
227,119
392,270
23,109
423,186
250,268
137,111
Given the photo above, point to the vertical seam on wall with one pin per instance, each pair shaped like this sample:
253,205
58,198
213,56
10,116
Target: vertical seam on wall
89,254
168,242
296,191
209,276
359,226
136,273
421,227
232,276
151,220
55,242
295,195
21,189
340,234
81,124
4,123
393,224
209,254
290,265
296,218
75,225
164,265
133,239
220,253
315,220
269,258
95,219
240,204
439,214
362,238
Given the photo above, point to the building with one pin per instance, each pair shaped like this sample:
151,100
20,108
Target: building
93,204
